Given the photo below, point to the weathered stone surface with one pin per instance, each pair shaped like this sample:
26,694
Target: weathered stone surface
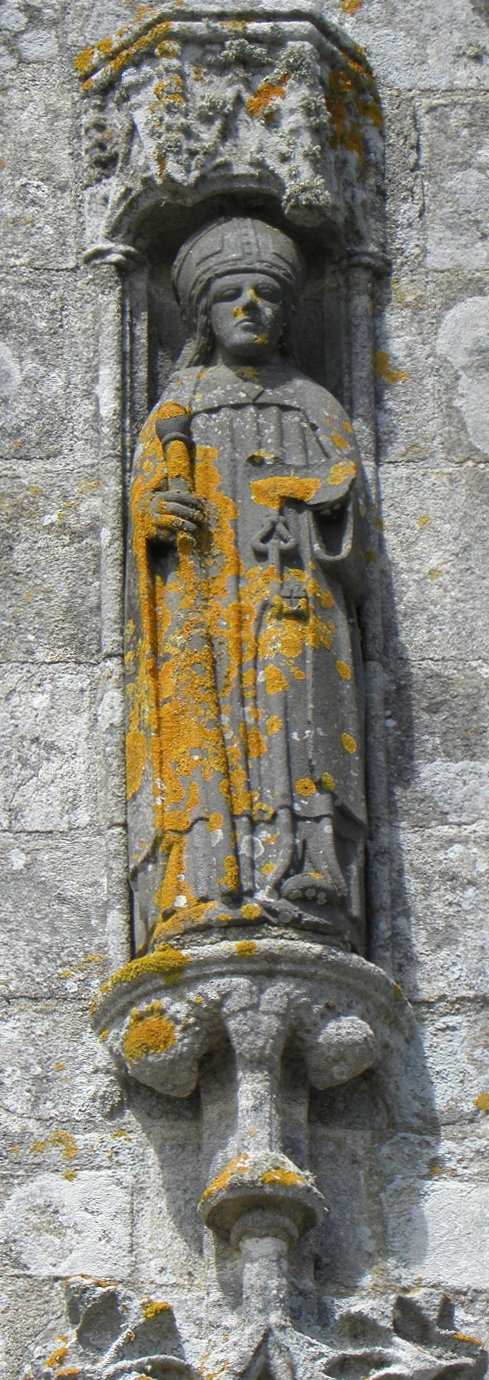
67,945
100,1177
434,584
443,1240
50,563
439,926
46,349
58,1227
431,366
455,150
462,340
49,749
442,46
455,1036
39,220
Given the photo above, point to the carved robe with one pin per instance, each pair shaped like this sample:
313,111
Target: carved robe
243,664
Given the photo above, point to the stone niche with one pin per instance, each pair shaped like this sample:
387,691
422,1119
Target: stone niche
194,113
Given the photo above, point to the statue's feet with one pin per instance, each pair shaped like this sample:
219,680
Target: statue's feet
325,889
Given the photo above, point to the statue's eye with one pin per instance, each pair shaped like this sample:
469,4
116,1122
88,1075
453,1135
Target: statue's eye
227,295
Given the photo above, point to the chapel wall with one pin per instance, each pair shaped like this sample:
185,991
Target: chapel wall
88,1171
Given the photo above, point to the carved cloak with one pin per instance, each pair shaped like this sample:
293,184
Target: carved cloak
242,656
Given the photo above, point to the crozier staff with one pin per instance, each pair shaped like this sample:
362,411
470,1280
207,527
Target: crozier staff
245,746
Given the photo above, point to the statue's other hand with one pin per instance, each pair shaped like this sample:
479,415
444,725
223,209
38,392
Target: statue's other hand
175,512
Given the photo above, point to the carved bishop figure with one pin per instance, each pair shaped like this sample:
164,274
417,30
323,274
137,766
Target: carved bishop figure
245,737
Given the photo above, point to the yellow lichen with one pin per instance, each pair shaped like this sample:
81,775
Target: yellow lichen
343,670
58,1355
423,521
236,1166
245,948
338,440
304,786
386,371
350,6
149,1032
287,1177
250,911
152,1308
167,963
66,1143
344,469
482,1102
327,781
266,93
273,492
349,743
435,573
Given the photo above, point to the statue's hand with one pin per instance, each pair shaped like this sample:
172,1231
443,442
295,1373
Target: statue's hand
174,512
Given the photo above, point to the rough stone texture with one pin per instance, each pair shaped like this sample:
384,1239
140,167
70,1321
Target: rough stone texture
410,1203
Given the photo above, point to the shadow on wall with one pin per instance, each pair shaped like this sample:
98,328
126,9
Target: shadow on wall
374,1146
482,7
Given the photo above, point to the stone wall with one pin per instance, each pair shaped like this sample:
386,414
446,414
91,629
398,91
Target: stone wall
97,1179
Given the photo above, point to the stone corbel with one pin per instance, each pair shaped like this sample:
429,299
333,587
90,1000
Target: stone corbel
162,1014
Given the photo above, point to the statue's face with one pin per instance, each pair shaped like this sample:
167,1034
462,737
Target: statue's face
247,316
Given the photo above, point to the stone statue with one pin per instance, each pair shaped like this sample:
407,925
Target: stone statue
245,762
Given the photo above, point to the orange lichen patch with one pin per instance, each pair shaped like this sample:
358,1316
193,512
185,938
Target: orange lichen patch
275,680
352,99
423,521
349,743
344,469
236,1166
153,1308
339,440
351,6
114,54
67,1372
482,1102
287,1177
135,760
250,911
343,670
245,948
385,370
230,878
305,786
255,742
167,963
58,1355
273,492
215,821
66,1142
327,781
274,724
149,1032
266,93
463,1337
